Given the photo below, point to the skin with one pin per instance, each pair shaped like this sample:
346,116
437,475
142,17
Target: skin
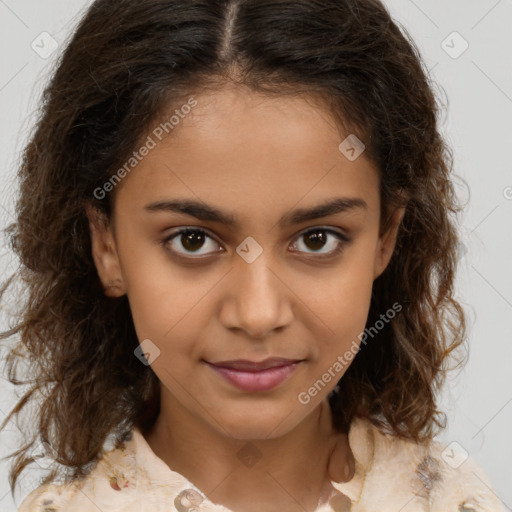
258,158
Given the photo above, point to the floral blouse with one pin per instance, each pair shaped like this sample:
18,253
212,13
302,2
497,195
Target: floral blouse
391,475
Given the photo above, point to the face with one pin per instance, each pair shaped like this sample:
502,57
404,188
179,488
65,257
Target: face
254,277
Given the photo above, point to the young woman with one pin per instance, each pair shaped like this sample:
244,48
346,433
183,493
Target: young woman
235,231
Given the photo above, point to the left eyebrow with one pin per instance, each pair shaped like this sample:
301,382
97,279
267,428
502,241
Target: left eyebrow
205,212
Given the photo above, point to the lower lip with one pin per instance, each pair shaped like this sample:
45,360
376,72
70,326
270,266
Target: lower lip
262,380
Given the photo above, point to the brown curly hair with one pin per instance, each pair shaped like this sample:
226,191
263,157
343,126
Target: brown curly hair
125,63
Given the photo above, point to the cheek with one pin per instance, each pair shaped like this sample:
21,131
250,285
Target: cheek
158,293
164,308
170,305
343,304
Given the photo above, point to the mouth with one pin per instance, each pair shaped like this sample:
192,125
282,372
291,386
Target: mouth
253,376
247,365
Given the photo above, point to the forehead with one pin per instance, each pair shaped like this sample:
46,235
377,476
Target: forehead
250,154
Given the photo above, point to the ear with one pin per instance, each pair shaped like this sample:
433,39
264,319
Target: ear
387,241
104,252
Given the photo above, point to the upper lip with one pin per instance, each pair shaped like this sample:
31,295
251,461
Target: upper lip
245,364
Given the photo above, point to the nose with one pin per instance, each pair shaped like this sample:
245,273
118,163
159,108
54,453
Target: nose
259,300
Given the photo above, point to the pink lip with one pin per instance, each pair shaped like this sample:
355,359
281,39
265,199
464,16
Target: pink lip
245,364
256,380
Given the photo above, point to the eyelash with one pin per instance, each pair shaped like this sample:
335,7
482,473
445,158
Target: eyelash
341,238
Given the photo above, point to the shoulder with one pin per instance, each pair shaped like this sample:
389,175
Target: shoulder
407,475
115,471
127,478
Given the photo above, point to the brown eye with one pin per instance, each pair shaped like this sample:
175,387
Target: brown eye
190,241
317,239
197,243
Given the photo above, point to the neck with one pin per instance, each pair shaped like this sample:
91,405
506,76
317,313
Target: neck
289,472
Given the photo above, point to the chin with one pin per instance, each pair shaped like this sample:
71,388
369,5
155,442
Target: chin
256,425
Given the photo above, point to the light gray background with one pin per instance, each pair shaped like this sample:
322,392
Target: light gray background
478,85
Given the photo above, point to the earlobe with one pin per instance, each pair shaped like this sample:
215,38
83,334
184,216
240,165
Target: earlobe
387,241
104,253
